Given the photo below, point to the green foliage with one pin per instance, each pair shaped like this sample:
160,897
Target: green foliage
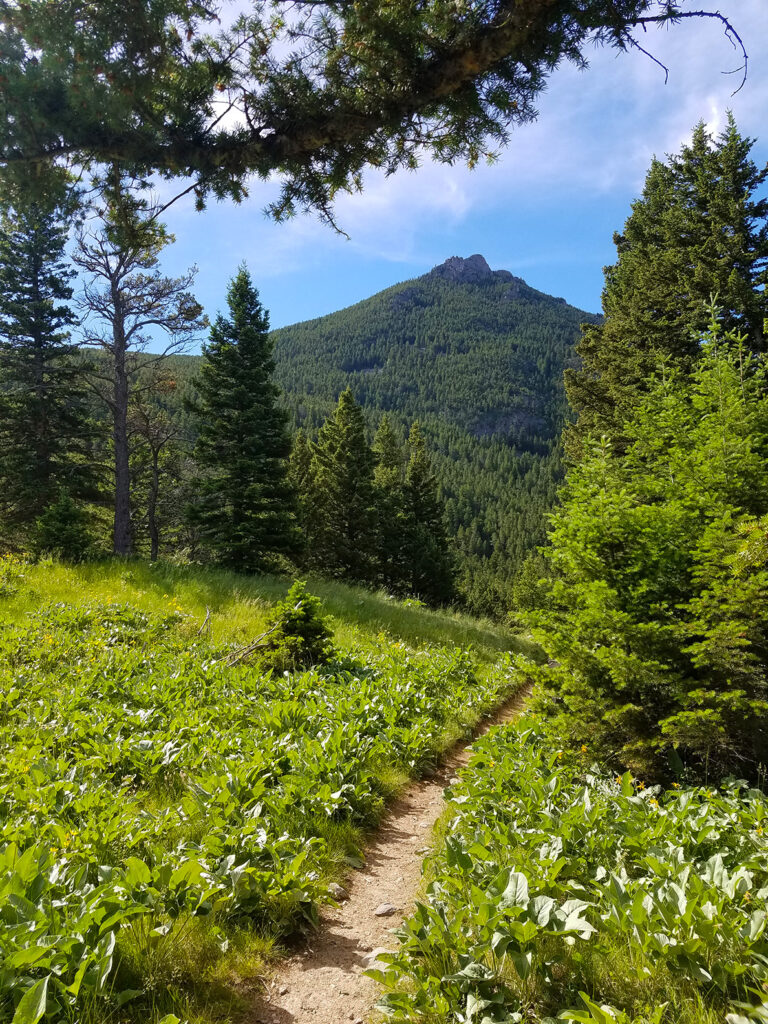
187,805
375,86
12,572
63,530
44,434
562,892
245,512
700,229
299,636
655,608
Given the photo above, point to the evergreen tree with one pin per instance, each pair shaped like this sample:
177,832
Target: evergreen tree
389,478
300,479
425,548
62,530
655,607
43,422
246,511
699,229
342,521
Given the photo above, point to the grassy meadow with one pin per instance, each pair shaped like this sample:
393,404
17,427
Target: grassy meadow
240,605
168,820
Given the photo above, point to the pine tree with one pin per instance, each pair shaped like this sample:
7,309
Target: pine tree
389,478
426,551
300,479
128,304
43,421
341,527
246,511
700,228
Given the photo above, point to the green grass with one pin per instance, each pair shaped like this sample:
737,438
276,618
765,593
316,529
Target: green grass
239,605
189,813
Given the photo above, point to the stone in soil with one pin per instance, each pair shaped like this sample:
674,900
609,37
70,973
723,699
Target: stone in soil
385,910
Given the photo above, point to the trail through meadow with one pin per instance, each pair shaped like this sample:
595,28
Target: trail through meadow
325,984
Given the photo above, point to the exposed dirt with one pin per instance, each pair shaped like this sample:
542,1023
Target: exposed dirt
325,983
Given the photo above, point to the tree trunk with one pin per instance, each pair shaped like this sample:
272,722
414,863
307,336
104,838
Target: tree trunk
154,489
122,528
41,439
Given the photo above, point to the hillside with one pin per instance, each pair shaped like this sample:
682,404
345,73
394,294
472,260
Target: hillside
478,357
173,808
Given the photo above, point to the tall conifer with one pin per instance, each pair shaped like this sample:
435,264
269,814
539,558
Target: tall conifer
343,517
43,432
300,479
246,508
427,555
700,228
389,477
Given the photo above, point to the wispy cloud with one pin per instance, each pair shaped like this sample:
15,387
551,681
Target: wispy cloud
592,143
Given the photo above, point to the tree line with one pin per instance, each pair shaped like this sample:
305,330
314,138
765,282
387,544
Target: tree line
93,429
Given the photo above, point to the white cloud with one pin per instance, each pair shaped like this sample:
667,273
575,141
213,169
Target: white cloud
595,136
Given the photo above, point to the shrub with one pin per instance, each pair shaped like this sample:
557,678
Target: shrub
11,574
299,636
656,607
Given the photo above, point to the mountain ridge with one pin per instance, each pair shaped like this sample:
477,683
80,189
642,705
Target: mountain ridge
477,355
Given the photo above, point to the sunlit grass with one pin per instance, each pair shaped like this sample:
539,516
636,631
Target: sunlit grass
239,605
201,969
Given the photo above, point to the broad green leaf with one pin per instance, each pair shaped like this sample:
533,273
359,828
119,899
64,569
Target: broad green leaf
33,1002
516,892
137,873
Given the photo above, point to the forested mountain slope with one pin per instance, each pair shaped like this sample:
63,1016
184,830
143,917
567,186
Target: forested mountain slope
478,357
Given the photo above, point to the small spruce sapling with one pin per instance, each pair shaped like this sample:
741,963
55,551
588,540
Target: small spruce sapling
300,637
62,530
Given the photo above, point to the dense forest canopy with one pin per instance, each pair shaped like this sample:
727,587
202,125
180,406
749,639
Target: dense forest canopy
477,356
317,90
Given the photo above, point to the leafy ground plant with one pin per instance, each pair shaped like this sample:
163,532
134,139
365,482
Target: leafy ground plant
165,814
562,892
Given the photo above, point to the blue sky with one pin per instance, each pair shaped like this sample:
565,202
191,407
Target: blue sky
546,210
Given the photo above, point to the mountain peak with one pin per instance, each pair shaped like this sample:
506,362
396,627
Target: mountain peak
464,271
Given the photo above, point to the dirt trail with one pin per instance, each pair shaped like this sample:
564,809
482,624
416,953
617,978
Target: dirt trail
325,983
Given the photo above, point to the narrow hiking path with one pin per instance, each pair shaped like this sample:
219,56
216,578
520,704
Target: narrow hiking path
325,983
